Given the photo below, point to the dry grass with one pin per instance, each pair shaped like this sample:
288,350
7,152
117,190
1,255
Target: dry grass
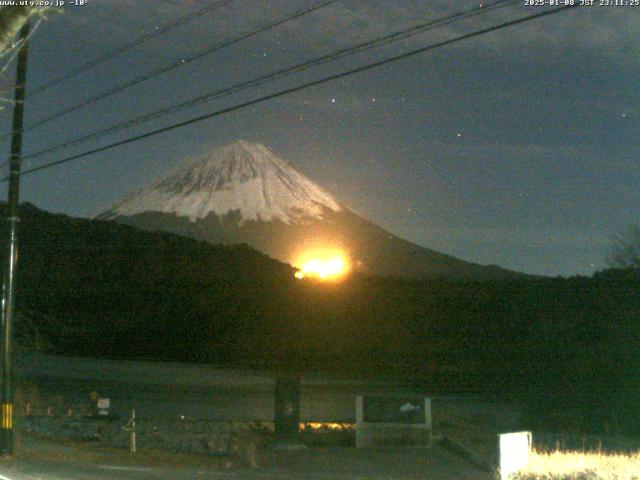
467,431
29,446
581,466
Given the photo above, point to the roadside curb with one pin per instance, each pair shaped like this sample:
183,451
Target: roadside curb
467,453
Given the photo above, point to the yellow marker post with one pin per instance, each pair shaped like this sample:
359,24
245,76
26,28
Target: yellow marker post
7,416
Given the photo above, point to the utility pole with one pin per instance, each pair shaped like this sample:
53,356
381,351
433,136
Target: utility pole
287,411
11,258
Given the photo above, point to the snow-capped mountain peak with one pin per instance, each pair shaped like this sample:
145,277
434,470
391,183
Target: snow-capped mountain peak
243,177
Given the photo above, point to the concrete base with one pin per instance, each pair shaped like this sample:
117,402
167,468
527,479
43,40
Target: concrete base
373,435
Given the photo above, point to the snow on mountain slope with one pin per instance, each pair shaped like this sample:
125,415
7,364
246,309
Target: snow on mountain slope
245,193
245,177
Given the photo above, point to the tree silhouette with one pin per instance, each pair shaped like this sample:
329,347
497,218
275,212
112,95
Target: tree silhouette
625,249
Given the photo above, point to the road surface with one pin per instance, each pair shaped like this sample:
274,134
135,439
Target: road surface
39,459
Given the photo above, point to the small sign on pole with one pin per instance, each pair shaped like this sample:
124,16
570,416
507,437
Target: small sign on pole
103,406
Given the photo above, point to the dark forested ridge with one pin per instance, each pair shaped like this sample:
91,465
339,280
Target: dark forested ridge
569,347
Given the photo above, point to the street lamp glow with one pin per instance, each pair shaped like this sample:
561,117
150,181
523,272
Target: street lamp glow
322,266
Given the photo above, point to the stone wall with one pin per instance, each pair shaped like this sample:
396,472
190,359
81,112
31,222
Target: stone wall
180,435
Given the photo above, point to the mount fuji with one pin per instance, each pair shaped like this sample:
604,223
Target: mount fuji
246,193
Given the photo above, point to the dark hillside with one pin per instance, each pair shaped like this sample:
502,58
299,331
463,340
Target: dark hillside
568,347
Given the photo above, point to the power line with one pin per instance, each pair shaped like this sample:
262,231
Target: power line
185,61
132,44
364,46
297,88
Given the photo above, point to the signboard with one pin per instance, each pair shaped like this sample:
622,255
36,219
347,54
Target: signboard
379,409
393,419
514,452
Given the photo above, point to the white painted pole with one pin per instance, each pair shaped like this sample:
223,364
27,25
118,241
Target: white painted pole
133,431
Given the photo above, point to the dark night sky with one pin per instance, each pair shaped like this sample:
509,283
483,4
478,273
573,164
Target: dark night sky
517,148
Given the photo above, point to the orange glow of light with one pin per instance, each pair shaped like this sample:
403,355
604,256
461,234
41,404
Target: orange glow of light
326,426
322,266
